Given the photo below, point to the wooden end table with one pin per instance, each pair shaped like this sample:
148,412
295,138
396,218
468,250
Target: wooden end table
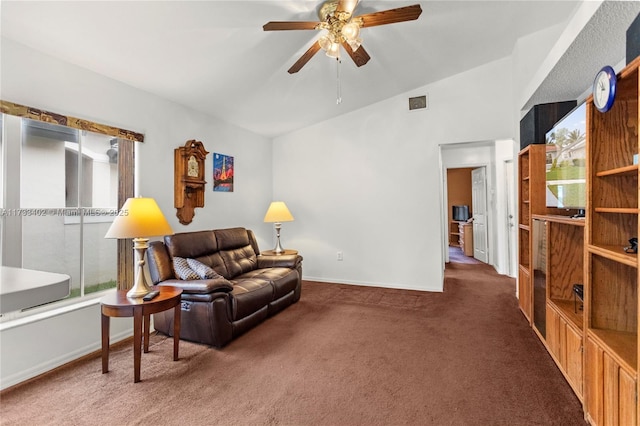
119,305
273,252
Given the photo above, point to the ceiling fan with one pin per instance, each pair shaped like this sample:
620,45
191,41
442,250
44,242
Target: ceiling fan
343,29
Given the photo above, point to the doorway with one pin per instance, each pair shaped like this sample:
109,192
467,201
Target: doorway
467,213
492,156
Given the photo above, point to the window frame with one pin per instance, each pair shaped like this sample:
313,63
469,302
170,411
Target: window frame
126,185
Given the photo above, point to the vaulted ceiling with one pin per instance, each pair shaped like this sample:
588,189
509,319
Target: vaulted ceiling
213,56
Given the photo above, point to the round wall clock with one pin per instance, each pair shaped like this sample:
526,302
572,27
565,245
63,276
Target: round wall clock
604,89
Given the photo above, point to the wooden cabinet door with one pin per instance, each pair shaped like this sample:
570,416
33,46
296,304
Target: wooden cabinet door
627,407
553,333
524,292
573,358
593,381
619,394
610,391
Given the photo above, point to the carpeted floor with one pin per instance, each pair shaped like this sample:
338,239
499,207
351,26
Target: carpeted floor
457,256
343,355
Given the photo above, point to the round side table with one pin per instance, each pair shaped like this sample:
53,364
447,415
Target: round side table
273,252
119,305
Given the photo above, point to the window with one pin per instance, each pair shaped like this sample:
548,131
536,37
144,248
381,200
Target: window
60,195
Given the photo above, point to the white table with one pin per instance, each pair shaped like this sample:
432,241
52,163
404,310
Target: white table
26,288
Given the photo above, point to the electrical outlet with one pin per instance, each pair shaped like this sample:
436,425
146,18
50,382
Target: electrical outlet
339,256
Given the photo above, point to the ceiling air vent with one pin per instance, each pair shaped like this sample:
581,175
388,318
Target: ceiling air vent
419,102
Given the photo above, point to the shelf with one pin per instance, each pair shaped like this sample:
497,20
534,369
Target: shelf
616,254
622,210
620,171
620,345
567,220
566,308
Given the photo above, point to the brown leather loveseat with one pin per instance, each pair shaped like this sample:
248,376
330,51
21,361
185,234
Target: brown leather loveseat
228,287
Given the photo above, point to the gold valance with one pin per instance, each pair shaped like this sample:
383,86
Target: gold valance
63,120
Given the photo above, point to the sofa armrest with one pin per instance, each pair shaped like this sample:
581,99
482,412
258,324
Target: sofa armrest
290,261
200,286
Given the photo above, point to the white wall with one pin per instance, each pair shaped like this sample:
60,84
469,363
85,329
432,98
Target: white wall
368,183
34,79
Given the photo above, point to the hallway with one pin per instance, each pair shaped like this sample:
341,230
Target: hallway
456,256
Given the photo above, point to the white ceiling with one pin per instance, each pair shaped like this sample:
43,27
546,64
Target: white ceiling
213,56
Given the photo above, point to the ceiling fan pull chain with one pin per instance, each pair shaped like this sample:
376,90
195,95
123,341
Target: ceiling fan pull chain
339,88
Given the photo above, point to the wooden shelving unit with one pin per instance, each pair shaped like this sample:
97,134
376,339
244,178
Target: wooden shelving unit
563,332
611,287
454,234
531,167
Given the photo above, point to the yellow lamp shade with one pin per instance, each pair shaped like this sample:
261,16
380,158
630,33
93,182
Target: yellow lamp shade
139,218
278,212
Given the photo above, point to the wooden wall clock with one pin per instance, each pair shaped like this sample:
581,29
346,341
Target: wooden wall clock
188,186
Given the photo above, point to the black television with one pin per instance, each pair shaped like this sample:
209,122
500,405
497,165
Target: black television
460,213
566,161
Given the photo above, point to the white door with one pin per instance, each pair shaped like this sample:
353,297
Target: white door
479,201
511,217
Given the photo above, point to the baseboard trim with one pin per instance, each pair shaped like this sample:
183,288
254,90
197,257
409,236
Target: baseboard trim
371,284
89,351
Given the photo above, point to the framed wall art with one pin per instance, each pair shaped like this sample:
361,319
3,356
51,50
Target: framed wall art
223,170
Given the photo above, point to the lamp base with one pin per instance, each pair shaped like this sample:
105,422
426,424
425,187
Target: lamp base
140,288
278,248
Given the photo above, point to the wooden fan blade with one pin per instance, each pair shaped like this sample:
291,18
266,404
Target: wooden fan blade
289,25
391,16
360,56
347,6
305,58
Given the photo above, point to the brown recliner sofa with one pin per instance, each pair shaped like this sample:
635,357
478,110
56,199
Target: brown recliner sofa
244,290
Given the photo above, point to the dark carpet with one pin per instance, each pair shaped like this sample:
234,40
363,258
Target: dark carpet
343,355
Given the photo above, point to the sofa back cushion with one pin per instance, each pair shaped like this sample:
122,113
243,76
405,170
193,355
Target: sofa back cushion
236,251
231,238
199,245
191,244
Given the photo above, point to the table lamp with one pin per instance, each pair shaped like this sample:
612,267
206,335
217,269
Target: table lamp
277,213
139,219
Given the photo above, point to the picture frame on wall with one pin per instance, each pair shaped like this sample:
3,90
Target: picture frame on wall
223,172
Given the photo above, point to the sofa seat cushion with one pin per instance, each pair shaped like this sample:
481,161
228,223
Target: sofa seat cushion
249,295
283,280
200,286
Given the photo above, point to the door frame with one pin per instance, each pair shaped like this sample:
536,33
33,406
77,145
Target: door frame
468,160
491,155
512,231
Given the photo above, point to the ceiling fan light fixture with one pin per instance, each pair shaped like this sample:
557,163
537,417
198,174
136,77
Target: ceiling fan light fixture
334,51
351,31
325,42
343,28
